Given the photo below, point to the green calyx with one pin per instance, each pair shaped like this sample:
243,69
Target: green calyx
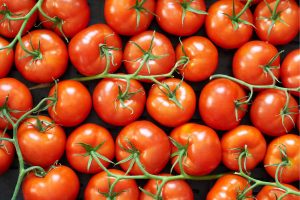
186,7
139,8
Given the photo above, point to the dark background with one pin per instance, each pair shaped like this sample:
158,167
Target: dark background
200,188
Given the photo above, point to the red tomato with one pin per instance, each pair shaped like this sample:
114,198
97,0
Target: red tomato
42,142
234,142
180,18
7,153
199,140
162,107
114,108
71,15
6,58
217,104
59,183
92,135
137,14
289,145
286,21
125,189
268,109
73,103
50,62
273,193
202,55
147,141
15,9
252,63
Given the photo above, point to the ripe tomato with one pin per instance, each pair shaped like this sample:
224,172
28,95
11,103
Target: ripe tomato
218,103
59,183
234,142
147,141
273,193
73,103
203,58
90,135
114,108
42,142
268,109
15,97
288,145
7,153
199,140
98,187
137,14
180,18
50,62
15,9
71,15
6,58
89,58
220,28
251,63
174,107
282,27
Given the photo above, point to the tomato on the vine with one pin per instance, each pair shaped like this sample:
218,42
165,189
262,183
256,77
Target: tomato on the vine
7,153
6,58
273,193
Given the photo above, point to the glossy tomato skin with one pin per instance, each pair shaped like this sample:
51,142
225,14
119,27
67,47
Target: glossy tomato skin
149,140
265,112
6,58
290,143
86,56
99,183
109,107
281,33
203,58
165,111
169,17
238,138
216,104
18,98
73,103
250,59
93,135
60,183
75,15
201,140
54,57
116,12
10,28
7,153
273,193
219,27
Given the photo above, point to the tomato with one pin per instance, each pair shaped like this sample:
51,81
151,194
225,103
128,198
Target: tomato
6,58
50,62
199,140
137,14
174,107
59,183
253,63
71,15
99,184
147,141
177,189
91,135
290,73
15,98
202,55
114,108
41,141
218,103
180,18
273,193
73,103
89,58
7,153
285,20
269,115
289,145
228,187
160,56
15,9
220,28
234,142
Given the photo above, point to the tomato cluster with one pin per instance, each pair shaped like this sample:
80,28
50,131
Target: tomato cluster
83,99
